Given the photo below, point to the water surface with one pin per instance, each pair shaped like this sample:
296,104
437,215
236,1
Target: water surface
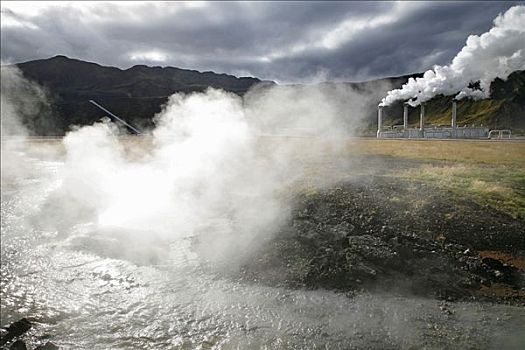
85,292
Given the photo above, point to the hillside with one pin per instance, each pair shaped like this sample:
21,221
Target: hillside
137,94
504,110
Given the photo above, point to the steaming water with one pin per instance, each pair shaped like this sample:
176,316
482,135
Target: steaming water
85,292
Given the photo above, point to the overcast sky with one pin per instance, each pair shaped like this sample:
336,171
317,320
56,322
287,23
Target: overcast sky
281,41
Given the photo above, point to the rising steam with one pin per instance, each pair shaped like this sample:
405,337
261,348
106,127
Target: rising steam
21,99
22,102
494,54
209,169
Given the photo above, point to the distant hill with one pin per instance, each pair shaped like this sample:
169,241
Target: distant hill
138,93
135,94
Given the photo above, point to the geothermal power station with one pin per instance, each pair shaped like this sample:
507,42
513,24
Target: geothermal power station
435,131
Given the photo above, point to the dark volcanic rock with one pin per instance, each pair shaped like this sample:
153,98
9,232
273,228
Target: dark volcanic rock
47,346
15,329
367,254
355,237
500,272
18,345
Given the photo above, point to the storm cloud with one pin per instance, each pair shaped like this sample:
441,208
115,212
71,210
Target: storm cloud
281,41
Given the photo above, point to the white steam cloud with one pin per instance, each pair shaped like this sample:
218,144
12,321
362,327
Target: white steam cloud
494,54
205,171
21,100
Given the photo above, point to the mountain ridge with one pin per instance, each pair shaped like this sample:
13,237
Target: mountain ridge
137,93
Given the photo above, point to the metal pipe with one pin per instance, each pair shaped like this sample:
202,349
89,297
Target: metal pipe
454,114
422,118
117,118
379,121
405,116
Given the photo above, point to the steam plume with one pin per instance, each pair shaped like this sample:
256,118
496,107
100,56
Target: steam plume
21,101
494,54
207,171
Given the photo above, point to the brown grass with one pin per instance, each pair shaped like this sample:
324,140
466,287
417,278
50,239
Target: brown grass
490,172
475,151
469,151
501,187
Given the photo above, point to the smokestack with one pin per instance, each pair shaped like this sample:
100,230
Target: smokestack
379,121
422,118
454,113
405,116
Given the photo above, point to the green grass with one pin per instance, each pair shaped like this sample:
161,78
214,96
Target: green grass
502,188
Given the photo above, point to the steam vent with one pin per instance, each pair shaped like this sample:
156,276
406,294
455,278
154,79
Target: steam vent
433,131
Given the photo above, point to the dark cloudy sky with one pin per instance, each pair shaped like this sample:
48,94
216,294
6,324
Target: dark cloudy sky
282,41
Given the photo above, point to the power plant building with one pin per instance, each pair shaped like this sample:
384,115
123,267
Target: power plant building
429,131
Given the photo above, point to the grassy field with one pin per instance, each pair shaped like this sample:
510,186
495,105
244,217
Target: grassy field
491,173
496,153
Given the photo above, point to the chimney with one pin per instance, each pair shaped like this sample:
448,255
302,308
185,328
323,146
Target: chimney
422,118
379,121
454,113
405,116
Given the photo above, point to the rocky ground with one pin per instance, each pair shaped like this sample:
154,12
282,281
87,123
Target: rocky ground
12,337
381,232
